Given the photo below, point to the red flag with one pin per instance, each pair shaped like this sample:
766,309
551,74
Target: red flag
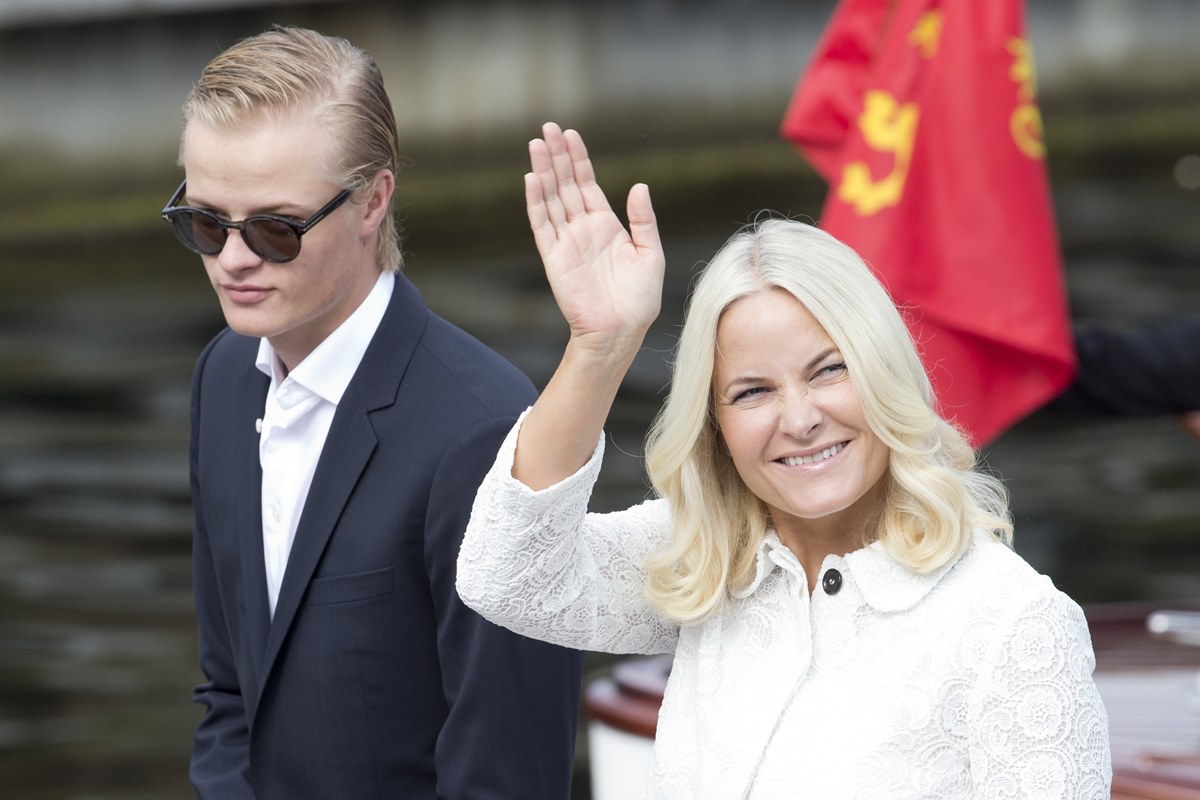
921,114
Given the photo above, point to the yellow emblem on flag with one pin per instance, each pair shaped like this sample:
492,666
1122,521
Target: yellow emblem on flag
889,127
1025,123
926,34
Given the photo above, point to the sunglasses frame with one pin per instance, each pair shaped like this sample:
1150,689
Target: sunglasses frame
299,227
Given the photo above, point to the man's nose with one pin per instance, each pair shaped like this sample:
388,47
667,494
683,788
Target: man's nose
236,256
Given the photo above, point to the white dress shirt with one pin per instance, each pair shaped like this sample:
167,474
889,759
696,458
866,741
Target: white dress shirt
296,419
974,681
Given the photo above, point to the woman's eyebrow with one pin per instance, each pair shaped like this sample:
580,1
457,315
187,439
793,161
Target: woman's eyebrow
742,380
824,354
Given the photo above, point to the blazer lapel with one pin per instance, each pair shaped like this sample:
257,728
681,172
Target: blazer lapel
348,448
251,391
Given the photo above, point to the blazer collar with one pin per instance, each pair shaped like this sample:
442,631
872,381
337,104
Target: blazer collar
383,365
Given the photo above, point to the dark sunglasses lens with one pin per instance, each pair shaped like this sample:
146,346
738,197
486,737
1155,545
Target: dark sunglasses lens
272,239
198,232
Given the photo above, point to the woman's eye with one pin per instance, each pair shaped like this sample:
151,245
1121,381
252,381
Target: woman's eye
832,369
747,394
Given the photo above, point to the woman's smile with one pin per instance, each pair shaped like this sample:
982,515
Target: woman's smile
790,416
817,457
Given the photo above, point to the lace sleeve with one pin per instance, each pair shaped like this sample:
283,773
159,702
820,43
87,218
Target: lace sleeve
539,564
1039,727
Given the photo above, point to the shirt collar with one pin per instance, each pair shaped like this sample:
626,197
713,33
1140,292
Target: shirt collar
327,370
886,584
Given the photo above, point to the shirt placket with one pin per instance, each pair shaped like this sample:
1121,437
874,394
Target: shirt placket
281,455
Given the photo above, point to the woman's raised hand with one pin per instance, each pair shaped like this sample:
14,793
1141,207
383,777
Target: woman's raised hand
608,285
607,281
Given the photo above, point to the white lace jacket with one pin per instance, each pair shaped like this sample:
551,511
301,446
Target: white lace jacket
971,682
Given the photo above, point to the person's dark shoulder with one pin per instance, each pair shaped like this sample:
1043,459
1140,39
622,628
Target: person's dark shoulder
479,371
1147,370
226,350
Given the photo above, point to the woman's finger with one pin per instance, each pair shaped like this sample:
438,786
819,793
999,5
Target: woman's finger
591,195
643,226
542,168
566,187
544,234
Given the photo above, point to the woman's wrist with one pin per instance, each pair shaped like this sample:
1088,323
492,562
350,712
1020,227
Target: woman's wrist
605,353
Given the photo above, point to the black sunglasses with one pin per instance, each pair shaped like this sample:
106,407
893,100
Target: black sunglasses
271,237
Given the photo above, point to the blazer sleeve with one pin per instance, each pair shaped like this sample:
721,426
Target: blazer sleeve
1037,723
220,762
539,564
1145,371
513,702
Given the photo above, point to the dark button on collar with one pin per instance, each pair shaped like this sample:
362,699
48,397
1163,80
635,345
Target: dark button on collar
832,582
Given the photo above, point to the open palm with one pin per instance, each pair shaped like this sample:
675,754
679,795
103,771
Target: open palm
606,280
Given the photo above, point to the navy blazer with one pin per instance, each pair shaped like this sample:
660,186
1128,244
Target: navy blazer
1145,371
373,680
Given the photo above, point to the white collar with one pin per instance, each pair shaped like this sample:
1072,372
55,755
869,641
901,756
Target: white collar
885,583
327,370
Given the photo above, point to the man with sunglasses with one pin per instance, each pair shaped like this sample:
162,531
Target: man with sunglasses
339,431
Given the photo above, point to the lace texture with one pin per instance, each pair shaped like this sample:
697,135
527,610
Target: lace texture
971,682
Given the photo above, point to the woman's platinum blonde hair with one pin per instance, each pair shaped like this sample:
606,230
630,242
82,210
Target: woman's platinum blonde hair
288,71
935,496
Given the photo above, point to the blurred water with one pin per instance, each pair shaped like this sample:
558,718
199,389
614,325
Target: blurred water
95,611
97,652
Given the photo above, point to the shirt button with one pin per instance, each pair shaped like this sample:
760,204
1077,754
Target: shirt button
832,582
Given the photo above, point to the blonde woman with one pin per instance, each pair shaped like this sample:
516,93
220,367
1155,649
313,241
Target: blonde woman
831,573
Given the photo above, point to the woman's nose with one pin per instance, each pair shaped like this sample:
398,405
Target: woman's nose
800,414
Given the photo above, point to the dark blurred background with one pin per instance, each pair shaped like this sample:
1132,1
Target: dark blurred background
102,313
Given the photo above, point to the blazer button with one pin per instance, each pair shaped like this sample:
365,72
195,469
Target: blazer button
832,582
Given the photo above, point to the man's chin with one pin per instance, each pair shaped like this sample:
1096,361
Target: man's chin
248,321
251,330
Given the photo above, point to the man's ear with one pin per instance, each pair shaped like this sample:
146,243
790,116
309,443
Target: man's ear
378,203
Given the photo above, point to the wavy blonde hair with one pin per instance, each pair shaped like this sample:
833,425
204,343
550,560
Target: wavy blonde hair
288,71
935,495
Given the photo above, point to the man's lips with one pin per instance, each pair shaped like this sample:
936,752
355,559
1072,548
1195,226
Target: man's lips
244,293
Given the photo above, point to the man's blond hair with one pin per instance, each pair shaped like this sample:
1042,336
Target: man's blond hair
288,70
